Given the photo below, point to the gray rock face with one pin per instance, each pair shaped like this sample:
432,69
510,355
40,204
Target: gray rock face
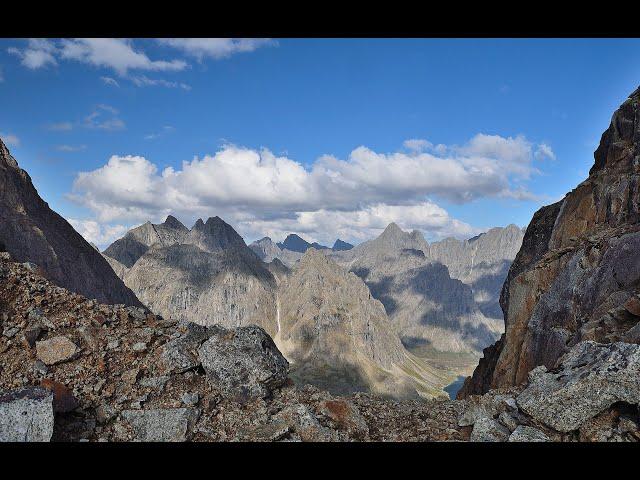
161,425
31,231
244,363
578,266
268,251
26,415
588,380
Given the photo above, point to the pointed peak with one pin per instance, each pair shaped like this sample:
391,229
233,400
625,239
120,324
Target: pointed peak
341,245
173,222
199,225
6,157
393,227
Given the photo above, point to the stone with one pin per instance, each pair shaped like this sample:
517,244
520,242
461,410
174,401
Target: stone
243,363
56,350
588,380
633,306
130,377
10,332
488,430
139,347
161,425
32,334
63,398
508,421
528,434
105,413
26,415
190,399
345,416
156,383
40,367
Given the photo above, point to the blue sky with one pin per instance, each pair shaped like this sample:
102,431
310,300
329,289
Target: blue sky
326,137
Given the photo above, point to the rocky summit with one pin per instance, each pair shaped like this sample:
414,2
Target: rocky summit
31,232
576,276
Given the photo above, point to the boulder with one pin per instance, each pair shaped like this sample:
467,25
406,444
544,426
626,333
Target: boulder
56,350
528,434
488,430
243,363
26,415
588,380
161,425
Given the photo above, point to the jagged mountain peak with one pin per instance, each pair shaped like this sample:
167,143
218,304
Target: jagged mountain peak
340,245
173,222
214,235
6,157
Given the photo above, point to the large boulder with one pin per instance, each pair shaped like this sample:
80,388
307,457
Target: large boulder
26,415
162,424
588,380
243,363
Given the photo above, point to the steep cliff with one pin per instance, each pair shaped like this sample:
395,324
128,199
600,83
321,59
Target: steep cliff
31,232
577,275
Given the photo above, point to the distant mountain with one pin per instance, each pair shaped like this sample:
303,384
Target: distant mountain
482,262
267,251
339,245
338,337
427,307
137,241
298,244
206,275
31,232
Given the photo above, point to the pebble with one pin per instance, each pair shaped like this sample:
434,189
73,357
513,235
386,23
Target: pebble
139,347
190,399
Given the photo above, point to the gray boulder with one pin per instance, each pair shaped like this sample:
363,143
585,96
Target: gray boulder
588,380
243,363
488,430
161,425
528,434
26,415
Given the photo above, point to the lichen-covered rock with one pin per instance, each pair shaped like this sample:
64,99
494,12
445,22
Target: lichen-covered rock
243,363
588,380
161,425
522,433
26,415
488,430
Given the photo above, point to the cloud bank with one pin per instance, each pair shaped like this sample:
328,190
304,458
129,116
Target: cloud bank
353,198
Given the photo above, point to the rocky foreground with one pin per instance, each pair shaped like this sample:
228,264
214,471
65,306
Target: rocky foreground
72,369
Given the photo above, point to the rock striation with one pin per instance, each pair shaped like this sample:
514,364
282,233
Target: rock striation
577,274
31,232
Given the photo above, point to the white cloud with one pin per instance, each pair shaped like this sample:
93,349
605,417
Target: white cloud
260,192
100,235
37,54
144,81
544,151
110,81
104,117
417,144
216,48
10,139
70,148
115,53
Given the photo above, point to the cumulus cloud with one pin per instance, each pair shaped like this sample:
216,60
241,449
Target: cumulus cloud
10,139
216,48
260,192
100,235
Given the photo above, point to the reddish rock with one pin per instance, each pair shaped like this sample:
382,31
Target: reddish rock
63,399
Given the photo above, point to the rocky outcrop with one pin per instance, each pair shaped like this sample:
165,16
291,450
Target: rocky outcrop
577,275
31,232
338,337
26,415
